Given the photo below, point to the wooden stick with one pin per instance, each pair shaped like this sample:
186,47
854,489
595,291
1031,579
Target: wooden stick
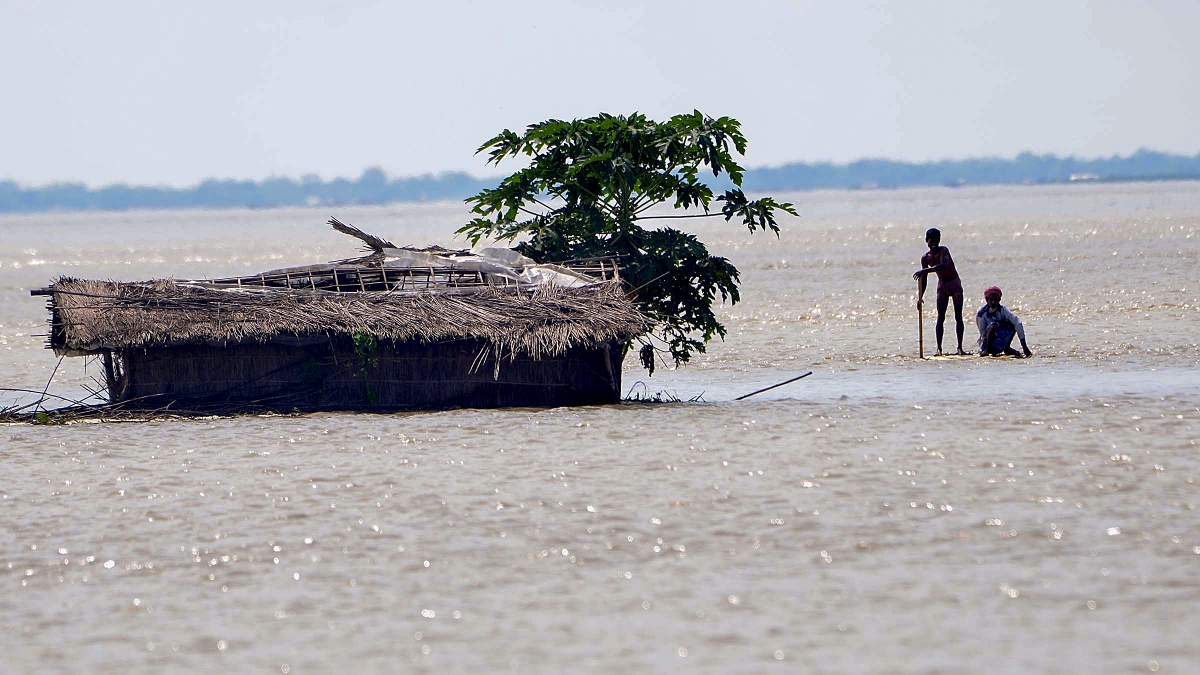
47,387
799,377
920,323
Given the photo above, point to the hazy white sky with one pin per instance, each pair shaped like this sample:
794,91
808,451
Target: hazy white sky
172,92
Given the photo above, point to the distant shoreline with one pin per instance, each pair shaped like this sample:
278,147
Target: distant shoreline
374,187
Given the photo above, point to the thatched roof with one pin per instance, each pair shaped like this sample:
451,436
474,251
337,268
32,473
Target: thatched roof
90,316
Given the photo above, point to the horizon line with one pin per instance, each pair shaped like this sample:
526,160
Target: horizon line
463,173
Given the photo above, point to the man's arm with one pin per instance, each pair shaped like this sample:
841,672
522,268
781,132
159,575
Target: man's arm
1020,330
922,275
943,263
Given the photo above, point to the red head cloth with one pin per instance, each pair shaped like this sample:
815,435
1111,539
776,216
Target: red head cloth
992,290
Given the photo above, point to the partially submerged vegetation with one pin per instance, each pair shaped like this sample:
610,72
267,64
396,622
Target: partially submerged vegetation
589,186
81,412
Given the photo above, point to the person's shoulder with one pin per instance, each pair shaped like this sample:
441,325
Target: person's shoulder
981,312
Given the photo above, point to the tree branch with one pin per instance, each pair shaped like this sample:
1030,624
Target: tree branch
535,215
690,215
599,200
535,200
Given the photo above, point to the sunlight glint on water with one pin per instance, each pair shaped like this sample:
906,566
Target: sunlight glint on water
885,514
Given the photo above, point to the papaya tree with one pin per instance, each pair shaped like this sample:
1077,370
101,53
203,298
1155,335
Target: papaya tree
590,186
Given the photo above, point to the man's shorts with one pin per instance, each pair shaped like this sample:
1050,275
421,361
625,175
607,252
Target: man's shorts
949,289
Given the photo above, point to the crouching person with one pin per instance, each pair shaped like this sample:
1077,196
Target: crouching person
997,326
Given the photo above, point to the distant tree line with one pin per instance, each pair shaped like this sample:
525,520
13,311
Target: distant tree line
1024,168
375,187
372,187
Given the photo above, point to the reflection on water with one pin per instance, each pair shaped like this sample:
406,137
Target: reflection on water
954,515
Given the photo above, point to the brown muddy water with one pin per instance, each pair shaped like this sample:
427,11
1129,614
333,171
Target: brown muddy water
884,515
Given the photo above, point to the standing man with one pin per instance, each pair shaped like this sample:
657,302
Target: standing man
949,285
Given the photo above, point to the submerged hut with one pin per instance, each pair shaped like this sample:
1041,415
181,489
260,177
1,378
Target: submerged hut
399,328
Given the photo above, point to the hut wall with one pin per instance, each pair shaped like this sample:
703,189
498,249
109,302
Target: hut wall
335,375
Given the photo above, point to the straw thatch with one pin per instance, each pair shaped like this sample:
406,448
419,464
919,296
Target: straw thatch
398,329
94,316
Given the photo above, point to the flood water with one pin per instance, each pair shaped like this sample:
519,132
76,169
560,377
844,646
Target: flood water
886,514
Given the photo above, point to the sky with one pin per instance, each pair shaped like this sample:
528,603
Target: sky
171,93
